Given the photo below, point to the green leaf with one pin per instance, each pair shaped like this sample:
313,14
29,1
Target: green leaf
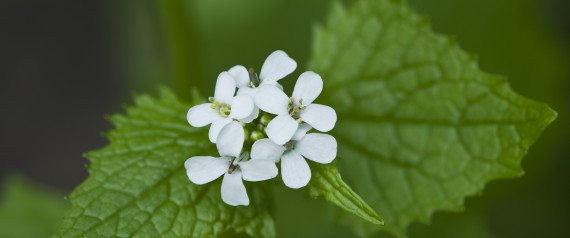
501,37
328,183
138,185
29,210
420,126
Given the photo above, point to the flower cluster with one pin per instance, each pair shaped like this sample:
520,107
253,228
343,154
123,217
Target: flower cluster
262,117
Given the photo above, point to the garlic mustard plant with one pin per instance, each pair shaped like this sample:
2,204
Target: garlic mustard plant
238,126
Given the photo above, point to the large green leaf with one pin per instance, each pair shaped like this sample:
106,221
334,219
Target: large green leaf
138,185
420,126
520,39
29,210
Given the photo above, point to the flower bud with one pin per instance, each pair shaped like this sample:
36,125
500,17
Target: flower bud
246,133
265,119
257,135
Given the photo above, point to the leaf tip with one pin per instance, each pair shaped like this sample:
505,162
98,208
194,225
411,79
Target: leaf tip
552,114
378,221
547,116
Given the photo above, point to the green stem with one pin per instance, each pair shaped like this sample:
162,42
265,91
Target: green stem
181,40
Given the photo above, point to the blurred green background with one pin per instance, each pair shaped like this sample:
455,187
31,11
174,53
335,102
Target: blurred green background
66,64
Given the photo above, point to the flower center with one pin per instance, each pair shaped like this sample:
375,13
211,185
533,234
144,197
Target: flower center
223,109
295,107
289,145
234,163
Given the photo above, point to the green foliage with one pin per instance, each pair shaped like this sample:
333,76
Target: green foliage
523,40
138,185
29,210
420,126
327,182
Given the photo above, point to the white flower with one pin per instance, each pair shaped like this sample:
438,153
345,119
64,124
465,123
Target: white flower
299,108
204,169
295,171
223,109
277,65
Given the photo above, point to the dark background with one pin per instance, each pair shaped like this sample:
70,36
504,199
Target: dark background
59,78
67,64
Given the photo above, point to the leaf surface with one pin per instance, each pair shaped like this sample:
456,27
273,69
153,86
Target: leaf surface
138,185
420,126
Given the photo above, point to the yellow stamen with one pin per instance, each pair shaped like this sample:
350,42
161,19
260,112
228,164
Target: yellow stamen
304,107
216,103
295,110
291,100
213,107
301,101
299,120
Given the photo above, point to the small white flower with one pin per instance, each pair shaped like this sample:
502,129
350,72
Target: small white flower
223,109
295,171
296,109
277,65
204,169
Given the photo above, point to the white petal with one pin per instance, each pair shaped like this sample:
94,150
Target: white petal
225,88
275,84
254,114
247,91
201,115
204,169
266,149
282,128
230,140
258,170
308,87
294,170
277,65
320,117
251,92
317,147
217,126
301,131
233,190
240,75
242,107
272,100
